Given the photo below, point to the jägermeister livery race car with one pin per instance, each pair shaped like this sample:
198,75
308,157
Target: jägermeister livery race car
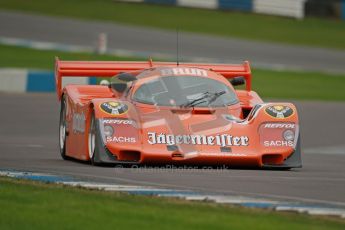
173,113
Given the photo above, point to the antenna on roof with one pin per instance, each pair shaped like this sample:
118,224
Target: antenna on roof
177,49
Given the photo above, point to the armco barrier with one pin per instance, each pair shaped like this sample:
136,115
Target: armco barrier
39,81
243,5
168,2
206,4
322,8
289,8
23,80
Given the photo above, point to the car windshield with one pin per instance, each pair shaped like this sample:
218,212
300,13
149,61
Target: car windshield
185,91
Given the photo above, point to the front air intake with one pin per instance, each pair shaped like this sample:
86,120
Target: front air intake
129,155
177,155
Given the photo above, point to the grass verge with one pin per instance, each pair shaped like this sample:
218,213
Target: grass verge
309,32
268,83
34,205
299,85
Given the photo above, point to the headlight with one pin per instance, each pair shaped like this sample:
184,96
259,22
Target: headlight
108,131
289,135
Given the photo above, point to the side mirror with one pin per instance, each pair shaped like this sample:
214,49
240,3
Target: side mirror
237,81
118,87
119,82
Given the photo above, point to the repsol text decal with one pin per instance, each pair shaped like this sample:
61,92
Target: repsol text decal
279,126
118,121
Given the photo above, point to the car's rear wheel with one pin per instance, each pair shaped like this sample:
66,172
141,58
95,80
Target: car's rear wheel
63,129
92,139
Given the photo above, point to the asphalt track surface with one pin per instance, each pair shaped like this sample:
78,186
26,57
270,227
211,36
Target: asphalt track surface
149,42
29,141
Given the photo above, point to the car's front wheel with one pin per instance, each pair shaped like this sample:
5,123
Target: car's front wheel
63,128
92,139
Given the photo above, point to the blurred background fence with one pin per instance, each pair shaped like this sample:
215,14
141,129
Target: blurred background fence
289,8
24,80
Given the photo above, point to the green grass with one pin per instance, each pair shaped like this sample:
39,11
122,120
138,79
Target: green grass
268,83
31,205
310,32
12,56
299,85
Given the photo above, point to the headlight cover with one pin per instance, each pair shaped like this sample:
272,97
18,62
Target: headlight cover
289,135
108,131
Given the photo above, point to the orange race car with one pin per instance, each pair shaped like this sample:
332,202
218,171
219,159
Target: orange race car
173,113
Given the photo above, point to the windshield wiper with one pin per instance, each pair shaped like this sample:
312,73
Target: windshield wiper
215,96
206,97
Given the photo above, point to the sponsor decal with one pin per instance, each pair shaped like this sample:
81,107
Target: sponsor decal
279,111
118,121
121,139
278,143
79,123
114,108
184,72
220,140
279,126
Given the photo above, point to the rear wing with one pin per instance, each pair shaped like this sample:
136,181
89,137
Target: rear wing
111,68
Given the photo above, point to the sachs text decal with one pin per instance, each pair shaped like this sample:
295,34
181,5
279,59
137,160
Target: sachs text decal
279,126
184,72
279,111
278,143
221,140
114,108
121,139
79,123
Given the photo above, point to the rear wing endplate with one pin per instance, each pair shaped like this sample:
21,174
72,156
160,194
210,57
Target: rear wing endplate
111,68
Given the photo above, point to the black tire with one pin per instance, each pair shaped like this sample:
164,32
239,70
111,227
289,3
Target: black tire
91,139
63,129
